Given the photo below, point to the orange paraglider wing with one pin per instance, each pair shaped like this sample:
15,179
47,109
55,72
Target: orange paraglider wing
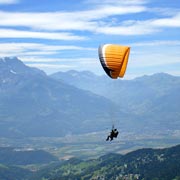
114,59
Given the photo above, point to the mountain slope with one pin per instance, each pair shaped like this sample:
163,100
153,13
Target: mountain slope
33,104
13,173
20,156
145,164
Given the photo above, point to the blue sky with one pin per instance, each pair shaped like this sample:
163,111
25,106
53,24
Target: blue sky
63,35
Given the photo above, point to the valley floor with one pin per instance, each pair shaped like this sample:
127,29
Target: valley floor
93,145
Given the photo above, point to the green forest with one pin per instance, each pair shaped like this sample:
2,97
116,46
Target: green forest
145,164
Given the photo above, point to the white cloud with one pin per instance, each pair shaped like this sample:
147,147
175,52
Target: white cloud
115,2
51,65
10,33
168,22
31,49
165,11
38,59
158,43
141,27
135,28
154,56
150,59
9,1
51,68
93,20
77,20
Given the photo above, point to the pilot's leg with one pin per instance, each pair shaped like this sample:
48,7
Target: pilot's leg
107,138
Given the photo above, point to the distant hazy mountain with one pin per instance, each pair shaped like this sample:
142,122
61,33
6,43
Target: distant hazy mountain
129,94
33,104
84,80
154,100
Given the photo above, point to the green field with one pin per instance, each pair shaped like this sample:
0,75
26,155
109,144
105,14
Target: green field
93,145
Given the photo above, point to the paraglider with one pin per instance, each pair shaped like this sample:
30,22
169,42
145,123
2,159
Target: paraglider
113,134
114,60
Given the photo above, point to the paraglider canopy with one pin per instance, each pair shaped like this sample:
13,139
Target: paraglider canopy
114,59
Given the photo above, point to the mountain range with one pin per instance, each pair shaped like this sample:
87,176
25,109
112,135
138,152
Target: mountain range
33,104
153,100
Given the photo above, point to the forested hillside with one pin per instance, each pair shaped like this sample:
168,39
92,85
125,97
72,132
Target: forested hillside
144,164
147,164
